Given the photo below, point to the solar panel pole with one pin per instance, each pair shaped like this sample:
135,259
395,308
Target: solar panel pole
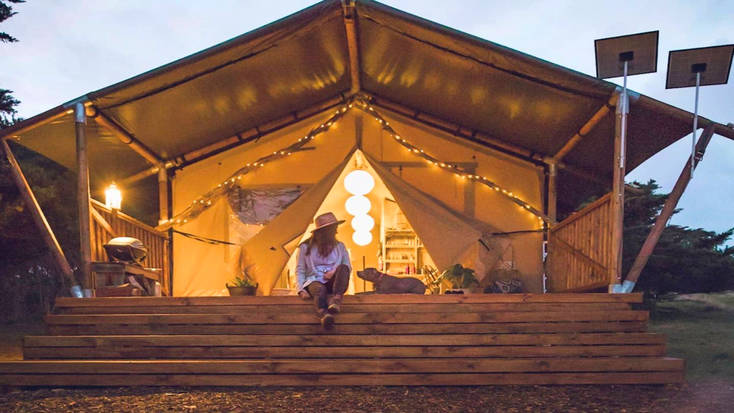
695,116
622,56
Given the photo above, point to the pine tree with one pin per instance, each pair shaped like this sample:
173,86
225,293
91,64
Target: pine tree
685,259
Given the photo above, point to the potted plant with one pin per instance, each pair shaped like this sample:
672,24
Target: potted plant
242,285
461,278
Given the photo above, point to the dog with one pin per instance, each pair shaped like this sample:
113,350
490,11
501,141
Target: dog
388,284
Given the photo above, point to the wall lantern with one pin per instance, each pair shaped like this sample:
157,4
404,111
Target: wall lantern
113,197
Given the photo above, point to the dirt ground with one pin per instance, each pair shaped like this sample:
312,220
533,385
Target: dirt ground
699,397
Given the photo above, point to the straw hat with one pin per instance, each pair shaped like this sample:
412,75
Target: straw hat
324,220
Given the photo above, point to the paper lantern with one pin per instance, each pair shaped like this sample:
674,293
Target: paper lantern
359,182
362,238
113,197
358,205
363,223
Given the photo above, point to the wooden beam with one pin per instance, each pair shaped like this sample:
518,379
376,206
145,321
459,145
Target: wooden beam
162,193
552,191
83,197
617,207
669,207
26,125
350,21
102,222
587,128
126,138
424,164
476,137
67,274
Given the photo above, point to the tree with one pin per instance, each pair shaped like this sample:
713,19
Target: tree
685,260
7,101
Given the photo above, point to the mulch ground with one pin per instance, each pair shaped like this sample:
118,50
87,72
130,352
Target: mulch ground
699,397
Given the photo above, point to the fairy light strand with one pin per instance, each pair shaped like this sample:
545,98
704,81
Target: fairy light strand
366,107
204,202
362,103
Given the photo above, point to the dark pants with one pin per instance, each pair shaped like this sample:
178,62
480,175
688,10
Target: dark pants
337,286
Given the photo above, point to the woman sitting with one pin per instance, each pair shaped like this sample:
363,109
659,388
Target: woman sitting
323,268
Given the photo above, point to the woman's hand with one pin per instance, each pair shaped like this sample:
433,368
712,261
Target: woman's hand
304,295
329,274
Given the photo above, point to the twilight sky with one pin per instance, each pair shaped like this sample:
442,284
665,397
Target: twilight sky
70,48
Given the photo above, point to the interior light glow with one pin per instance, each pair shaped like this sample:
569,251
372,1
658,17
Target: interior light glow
359,182
363,223
362,238
358,205
113,197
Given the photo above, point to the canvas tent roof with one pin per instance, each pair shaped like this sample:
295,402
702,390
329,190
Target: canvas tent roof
244,87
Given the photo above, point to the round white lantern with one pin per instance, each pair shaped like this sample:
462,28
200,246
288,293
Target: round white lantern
363,223
362,238
358,205
359,182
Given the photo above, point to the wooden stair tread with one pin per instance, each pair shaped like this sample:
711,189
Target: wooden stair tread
422,379
347,318
342,366
340,328
320,352
346,339
63,302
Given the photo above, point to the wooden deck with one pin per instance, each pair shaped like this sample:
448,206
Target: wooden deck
377,340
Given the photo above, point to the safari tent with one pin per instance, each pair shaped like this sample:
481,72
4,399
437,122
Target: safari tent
477,154
480,147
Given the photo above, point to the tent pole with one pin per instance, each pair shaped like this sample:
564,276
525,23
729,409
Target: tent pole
587,128
80,120
350,18
67,274
552,191
617,199
162,193
126,138
668,208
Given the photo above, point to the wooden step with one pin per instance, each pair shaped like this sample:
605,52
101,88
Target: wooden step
347,308
344,366
422,379
300,317
476,339
339,328
346,340
67,302
336,352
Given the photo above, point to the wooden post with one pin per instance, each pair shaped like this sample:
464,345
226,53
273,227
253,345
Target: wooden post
82,161
351,31
162,194
669,207
552,191
617,200
67,274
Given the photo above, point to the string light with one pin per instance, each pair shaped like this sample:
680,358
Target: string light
361,102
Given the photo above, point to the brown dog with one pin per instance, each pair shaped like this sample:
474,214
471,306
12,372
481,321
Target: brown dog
388,284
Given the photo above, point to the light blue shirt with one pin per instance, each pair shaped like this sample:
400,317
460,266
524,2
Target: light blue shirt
312,267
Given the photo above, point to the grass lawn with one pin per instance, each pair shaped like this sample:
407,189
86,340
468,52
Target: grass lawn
700,329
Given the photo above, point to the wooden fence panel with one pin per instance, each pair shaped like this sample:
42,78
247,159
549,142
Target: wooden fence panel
122,225
580,249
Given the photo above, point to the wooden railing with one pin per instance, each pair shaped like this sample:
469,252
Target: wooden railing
580,249
106,225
